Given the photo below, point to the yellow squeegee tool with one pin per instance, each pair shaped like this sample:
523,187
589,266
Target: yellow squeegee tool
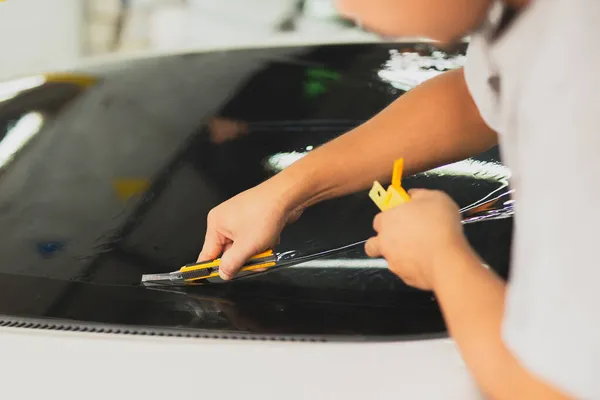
395,194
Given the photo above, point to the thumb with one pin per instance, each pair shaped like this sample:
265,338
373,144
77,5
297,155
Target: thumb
234,259
372,247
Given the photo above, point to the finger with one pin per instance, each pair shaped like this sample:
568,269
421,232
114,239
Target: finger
227,246
276,243
418,193
212,248
372,247
234,259
377,221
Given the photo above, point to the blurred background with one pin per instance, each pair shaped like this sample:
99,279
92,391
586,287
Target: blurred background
50,34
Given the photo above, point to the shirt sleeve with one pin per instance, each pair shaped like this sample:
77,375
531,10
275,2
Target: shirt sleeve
477,74
552,318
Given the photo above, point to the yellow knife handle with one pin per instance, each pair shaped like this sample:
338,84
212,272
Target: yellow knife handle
210,269
267,253
200,265
254,267
261,261
217,262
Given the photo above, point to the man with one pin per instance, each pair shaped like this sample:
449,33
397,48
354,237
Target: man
526,85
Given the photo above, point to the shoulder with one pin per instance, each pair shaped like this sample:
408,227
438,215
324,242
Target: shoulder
478,72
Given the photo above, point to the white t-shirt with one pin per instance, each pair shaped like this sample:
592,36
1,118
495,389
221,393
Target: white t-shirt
538,85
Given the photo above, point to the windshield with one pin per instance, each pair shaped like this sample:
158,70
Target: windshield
118,182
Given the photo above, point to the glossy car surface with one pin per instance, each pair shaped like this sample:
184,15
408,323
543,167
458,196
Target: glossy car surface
108,173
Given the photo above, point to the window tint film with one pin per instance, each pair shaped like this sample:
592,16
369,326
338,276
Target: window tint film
115,181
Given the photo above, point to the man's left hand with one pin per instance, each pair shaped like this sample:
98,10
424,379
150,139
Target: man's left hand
416,237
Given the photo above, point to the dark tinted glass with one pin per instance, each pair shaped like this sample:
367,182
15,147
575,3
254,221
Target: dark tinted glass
117,182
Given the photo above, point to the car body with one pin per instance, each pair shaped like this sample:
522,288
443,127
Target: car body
109,171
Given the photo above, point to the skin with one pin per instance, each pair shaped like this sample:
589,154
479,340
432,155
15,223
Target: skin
439,124
436,256
422,240
442,20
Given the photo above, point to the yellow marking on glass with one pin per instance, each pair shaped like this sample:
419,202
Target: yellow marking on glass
126,188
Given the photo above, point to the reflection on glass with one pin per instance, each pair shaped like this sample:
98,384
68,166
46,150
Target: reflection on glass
10,89
224,129
280,161
18,136
344,263
470,168
493,206
405,70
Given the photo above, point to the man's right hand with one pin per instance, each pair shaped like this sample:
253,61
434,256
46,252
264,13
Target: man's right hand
244,226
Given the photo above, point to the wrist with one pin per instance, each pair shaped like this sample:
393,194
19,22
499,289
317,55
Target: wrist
454,260
292,187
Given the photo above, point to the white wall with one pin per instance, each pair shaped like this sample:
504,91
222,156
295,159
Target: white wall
38,35
206,24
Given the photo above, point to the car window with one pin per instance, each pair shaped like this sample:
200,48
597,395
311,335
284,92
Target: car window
26,105
118,180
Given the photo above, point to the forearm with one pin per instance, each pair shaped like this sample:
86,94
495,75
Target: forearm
472,301
433,124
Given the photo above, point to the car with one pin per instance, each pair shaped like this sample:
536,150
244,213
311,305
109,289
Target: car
108,171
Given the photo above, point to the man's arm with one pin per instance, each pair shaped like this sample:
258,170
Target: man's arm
472,301
433,124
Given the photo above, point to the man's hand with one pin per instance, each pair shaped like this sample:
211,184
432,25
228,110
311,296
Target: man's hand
415,236
244,226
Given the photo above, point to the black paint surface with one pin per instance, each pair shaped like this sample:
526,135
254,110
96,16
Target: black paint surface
74,247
